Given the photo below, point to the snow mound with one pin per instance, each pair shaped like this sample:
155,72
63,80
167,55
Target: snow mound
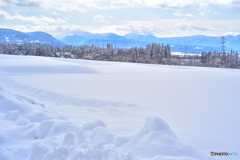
18,106
93,125
101,136
157,138
20,97
51,128
33,132
69,139
9,103
22,121
13,115
156,125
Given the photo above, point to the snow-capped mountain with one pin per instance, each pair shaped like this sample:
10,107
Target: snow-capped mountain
98,39
9,35
139,37
74,40
194,43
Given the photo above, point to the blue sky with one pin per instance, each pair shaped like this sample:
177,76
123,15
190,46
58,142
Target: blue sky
162,18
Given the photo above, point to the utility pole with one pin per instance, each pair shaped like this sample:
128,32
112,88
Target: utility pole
186,50
223,41
172,48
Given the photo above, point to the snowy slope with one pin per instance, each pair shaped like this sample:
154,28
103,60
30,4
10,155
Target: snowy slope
77,109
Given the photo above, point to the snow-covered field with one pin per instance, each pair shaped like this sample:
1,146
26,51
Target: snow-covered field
77,109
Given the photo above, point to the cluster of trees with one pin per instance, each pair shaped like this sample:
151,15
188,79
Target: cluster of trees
152,53
220,59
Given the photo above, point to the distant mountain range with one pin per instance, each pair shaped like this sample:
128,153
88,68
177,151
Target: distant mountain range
9,35
195,43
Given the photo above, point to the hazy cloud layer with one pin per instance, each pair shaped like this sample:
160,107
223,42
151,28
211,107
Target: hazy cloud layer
162,18
31,19
159,28
85,5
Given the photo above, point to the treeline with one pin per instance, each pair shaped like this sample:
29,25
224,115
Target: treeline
221,59
152,54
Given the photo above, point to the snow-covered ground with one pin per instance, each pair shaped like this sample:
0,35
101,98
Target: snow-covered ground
186,54
78,109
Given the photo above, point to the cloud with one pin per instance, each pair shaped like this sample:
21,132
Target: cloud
194,27
172,27
31,19
157,27
202,13
224,3
99,18
51,20
216,13
86,5
4,15
180,14
171,4
21,3
189,15
177,14
231,33
202,28
58,31
54,13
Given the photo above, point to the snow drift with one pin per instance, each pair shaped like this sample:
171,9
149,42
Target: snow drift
32,132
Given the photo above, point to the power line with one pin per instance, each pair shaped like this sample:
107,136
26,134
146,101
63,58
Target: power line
223,41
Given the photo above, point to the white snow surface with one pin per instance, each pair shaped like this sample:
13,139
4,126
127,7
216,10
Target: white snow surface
53,108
